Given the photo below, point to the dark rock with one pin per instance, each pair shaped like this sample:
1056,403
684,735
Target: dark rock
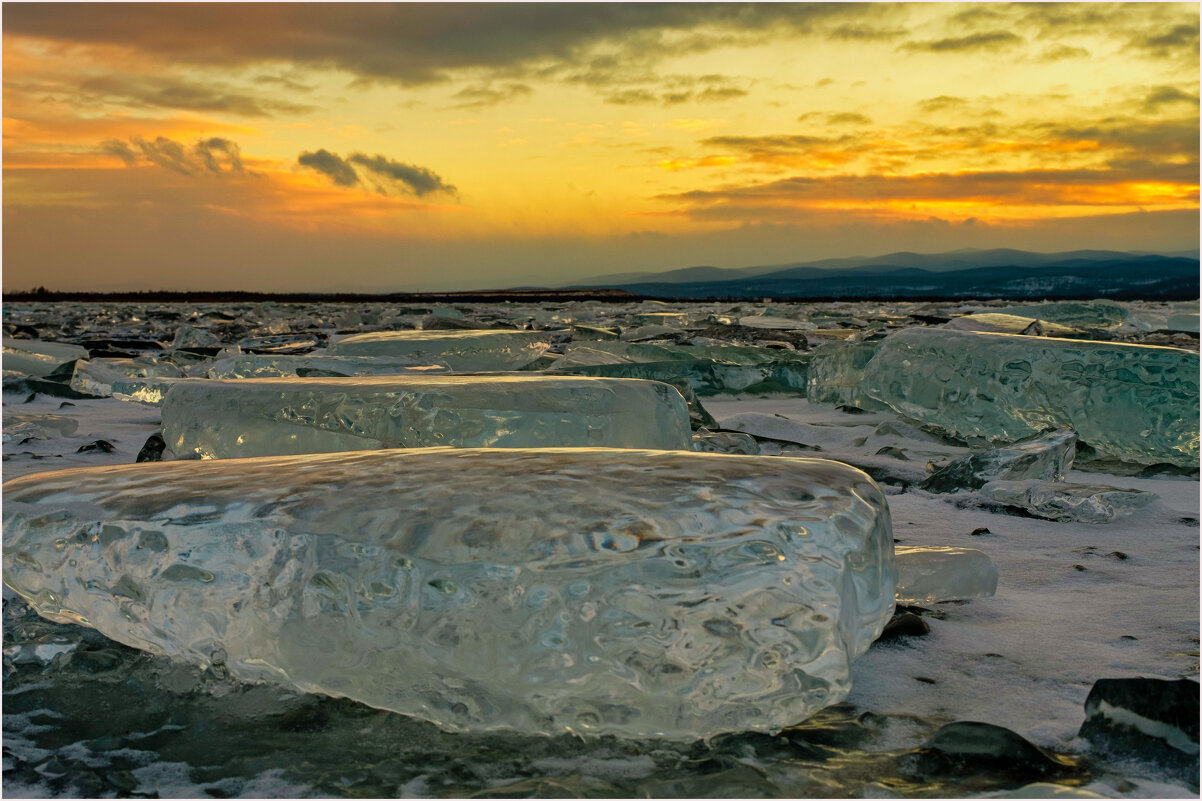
851,409
976,532
65,404
925,680
1156,719
152,451
1128,637
99,446
1079,568
896,453
32,397
904,624
1122,557
968,748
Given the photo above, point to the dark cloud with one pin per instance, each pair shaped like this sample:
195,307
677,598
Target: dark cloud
176,157
1167,96
331,166
481,95
1061,52
847,118
987,41
120,149
715,94
406,177
941,103
632,97
773,144
414,43
166,92
1043,186
377,173
865,33
1175,41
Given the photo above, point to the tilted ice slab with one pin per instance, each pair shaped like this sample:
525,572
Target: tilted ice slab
279,416
462,350
1080,503
1047,457
837,374
268,366
36,357
934,573
634,593
1138,403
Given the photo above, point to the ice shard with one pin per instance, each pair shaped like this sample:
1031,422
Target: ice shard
462,350
931,574
1078,503
279,416
598,591
1010,324
1138,403
36,357
98,376
285,366
1047,457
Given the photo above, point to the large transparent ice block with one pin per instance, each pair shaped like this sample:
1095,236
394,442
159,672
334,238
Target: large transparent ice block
98,376
37,357
1136,402
278,416
250,365
837,374
603,591
1066,502
462,350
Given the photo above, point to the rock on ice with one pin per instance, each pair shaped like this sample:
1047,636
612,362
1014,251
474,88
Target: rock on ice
634,593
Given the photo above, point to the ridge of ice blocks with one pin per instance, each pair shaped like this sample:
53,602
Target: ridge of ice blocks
934,573
1080,503
38,358
462,350
599,591
837,374
279,416
1048,457
1135,402
285,366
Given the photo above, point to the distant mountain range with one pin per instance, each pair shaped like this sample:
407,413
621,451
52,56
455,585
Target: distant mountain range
1000,272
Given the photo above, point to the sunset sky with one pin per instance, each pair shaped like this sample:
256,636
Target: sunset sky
370,147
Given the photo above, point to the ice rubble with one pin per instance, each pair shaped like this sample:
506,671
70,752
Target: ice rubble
268,366
1138,403
635,593
278,416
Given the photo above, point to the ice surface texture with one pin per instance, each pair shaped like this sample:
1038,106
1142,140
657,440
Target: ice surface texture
1138,403
267,366
934,573
635,593
282,416
462,350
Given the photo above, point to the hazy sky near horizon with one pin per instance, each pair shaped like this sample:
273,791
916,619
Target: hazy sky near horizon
279,147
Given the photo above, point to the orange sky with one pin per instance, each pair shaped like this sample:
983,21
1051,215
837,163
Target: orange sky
450,146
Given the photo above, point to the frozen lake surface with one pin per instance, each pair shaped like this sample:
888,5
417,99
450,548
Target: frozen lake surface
1075,602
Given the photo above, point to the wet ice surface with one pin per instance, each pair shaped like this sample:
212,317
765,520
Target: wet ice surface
1075,601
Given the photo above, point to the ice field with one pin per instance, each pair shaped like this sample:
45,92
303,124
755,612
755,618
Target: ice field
601,549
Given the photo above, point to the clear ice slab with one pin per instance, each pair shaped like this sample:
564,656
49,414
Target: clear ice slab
461,350
280,416
36,357
1135,402
285,366
934,573
837,374
1047,457
99,376
598,591
1066,502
